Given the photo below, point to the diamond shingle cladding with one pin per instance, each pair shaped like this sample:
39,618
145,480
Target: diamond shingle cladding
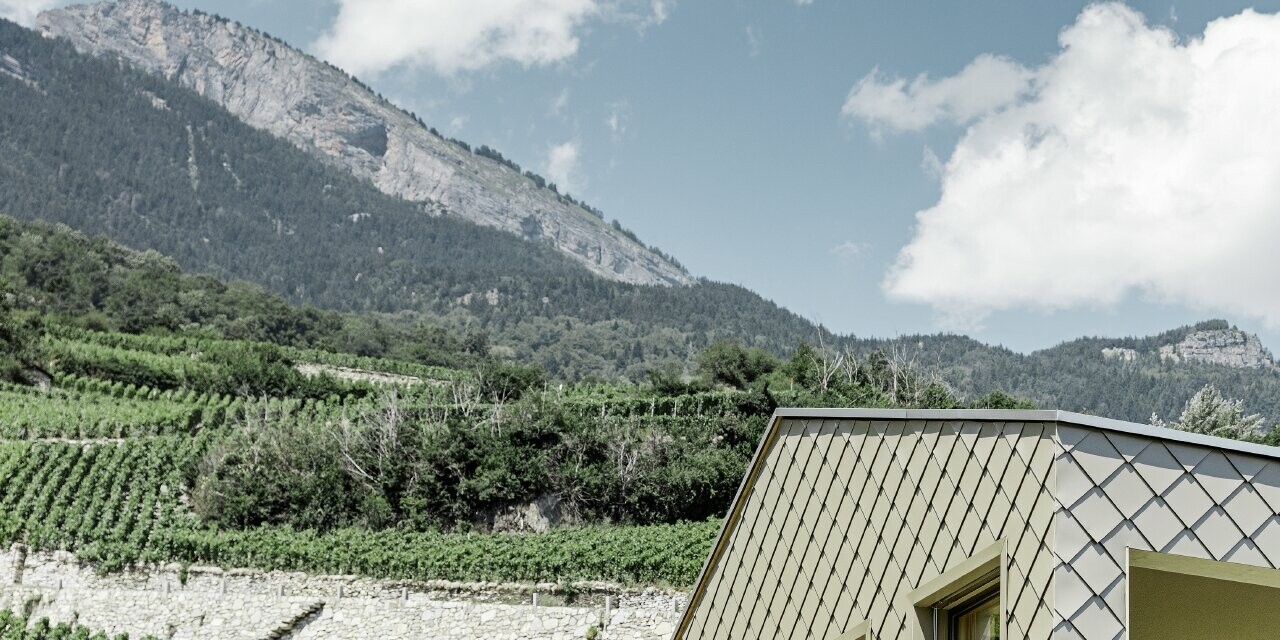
846,515
1172,497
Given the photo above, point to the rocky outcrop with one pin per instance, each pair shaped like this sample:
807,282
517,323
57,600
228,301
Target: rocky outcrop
317,107
1226,347
1122,354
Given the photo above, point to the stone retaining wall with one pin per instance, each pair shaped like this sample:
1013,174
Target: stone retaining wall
251,604
177,615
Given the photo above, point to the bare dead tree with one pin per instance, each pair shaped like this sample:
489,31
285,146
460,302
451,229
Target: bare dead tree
372,443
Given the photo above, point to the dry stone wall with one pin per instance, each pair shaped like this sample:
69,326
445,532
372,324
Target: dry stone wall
177,615
209,603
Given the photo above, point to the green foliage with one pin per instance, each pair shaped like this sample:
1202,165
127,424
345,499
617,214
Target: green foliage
118,504
428,467
504,381
16,627
242,368
19,348
1210,413
669,380
657,554
388,480
1075,376
113,502
730,363
29,413
1001,400
89,149
95,284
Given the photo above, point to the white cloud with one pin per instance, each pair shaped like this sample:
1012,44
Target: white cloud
986,84
562,166
456,123
849,249
617,120
560,102
659,12
931,164
1137,164
449,36
753,40
24,12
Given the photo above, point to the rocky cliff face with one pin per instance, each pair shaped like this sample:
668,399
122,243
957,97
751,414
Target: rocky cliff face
276,88
1226,347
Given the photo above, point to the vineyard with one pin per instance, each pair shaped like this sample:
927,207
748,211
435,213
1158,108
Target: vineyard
146,449
103,462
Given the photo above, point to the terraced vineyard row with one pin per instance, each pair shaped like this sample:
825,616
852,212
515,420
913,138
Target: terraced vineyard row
87,409
113,502
101,464
117,504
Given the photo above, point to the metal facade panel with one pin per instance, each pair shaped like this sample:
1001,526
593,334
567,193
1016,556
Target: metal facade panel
1121,491
847,516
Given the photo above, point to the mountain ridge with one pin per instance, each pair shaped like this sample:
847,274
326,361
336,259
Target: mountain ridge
108,149
319,108
1127,378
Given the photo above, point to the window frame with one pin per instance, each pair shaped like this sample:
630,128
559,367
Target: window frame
859,631
973,581
981,600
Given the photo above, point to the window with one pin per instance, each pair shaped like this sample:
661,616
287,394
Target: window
963,603
1174,597
979,622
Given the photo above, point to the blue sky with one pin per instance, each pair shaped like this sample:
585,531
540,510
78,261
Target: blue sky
721,131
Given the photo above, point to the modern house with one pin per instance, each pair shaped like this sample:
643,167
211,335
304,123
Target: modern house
964,525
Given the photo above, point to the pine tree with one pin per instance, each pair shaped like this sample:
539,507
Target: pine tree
1210,413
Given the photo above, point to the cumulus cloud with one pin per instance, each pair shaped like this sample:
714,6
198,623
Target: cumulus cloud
560,102
449,36
986,84
24,12
562,166
616,121
659,12
1136,163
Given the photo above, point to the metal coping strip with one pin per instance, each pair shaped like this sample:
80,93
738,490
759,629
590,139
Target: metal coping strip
1024,415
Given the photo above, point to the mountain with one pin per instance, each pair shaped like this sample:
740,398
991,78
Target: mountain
1124,378
107,149
317,107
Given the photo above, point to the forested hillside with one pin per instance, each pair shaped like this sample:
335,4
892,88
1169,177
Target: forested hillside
109,150
221,434
1078,376
334,117
96,284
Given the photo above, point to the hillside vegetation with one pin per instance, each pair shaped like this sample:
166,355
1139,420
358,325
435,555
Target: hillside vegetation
150,462
1077,376
108,150
130,434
